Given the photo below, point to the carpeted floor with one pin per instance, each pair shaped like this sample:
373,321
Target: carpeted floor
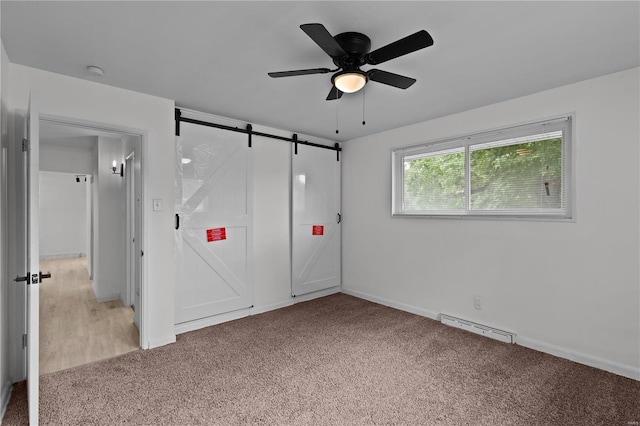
336,360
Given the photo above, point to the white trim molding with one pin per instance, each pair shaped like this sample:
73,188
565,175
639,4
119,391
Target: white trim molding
256,310
107,297
62,256
4,398
315,295
209,321
156,343
230,316
581,358
393,304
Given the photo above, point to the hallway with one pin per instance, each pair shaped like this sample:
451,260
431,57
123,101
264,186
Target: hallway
74,328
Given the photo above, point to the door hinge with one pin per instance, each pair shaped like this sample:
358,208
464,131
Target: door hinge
25,145
24,341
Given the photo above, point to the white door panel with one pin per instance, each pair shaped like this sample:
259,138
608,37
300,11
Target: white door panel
33,259
315,230
216,224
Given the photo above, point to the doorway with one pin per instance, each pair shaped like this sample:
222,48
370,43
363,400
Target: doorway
98,271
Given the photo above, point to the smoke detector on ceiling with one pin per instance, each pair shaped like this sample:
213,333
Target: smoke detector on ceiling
95,71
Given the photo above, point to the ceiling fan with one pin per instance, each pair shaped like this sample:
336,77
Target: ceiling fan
350,51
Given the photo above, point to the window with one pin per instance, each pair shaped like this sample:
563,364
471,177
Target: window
519,172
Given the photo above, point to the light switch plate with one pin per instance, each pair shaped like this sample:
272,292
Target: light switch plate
157,204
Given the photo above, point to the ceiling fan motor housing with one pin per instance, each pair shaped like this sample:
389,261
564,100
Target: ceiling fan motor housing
356,45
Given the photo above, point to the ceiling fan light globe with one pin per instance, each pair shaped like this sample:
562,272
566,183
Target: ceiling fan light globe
350,82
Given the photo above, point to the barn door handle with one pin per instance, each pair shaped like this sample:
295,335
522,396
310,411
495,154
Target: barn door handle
338,218
44,276
177,221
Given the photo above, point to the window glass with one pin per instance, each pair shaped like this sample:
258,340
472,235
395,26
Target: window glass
518,171
434,181
519,176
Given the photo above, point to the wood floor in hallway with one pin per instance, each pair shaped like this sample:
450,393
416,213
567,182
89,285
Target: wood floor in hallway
74,328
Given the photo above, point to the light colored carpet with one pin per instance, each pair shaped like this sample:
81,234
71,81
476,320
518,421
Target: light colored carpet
335,360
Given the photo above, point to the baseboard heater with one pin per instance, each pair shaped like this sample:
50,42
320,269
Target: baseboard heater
494,333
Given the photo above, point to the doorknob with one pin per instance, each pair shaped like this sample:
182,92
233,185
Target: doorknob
35,279
20,279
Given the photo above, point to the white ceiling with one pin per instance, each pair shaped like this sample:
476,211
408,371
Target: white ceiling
214,56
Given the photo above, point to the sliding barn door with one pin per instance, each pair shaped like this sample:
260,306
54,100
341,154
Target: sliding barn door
315,233
214,222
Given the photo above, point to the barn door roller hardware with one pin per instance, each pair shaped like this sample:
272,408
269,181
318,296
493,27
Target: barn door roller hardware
250,132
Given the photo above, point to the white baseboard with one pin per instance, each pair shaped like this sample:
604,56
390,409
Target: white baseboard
156,343
393,304
316,294
107,297
581,358
104,297
230,316
209,321
4,398
271,307
61,256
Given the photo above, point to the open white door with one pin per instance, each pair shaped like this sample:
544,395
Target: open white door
32,277
315,233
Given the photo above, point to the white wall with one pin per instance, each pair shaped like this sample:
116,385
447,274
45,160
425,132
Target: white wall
88,191
94,207
89,101
5,379
109,264
63,215
66,159
272,162
566,288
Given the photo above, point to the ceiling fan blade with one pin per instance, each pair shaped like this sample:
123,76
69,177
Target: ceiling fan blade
334,94
390,78
324,39
299,72
409,44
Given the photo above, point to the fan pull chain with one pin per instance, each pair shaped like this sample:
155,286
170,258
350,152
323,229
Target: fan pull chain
363,122
337,103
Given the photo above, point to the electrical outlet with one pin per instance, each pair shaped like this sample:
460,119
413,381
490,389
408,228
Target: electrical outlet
477,303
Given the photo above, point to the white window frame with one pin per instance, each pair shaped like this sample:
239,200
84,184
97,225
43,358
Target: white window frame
564,123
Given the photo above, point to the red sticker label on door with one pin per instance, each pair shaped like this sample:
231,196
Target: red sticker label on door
317,230
216,234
